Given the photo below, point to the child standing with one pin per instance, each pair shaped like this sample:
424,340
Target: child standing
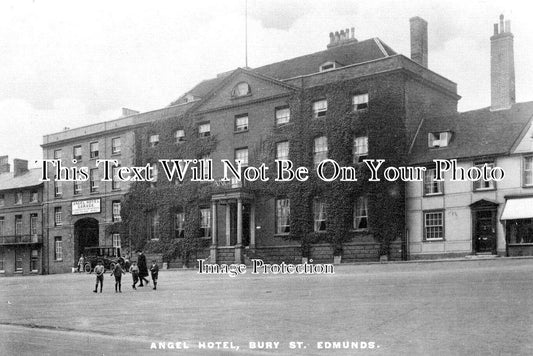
99,270
154,270
134,270
118,272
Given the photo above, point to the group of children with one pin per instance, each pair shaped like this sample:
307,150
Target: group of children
118,271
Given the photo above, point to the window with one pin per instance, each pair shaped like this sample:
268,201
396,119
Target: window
360,148
431,186
34,197
282,150
320,108
116,146
206,172
179,224
1,226
58,217
2,199
519,231
360,213
58,189
116,240
283,212
93,149
155,174
77,187
241,89
18,198
527,171
58,248
179,135
2,268
319,213
241,155
18,225
115,183
204,130
241,123
154,140
320,151
94,178
33,224
153,225
283,116
76,153
34,267
433,225
205,222
327,66
482,184
439,139
18,261
116,211
360,102
58,154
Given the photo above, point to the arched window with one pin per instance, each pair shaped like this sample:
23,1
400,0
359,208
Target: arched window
241,89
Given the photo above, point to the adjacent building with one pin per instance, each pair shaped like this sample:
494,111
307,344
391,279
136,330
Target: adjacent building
458,218
21,229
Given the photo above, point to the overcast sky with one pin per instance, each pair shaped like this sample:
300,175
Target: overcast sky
72,63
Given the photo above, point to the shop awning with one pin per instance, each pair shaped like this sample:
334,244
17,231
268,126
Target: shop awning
518,208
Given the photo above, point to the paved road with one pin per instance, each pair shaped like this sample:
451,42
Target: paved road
459,308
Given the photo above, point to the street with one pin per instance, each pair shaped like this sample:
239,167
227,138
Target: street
442,308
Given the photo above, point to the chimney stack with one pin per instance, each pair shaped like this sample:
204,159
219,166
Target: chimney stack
342,37
502,78
4,164
419,40
20,166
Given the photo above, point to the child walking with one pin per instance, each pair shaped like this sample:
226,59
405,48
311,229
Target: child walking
134,270
118,272
99,270
154,271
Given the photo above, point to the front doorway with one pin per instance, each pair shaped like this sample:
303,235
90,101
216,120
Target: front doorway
485,231
85,235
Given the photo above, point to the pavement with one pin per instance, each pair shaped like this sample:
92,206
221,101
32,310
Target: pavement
475,307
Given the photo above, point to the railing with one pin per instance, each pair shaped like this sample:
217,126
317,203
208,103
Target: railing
21,239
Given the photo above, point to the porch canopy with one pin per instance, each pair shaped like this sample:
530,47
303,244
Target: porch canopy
518,208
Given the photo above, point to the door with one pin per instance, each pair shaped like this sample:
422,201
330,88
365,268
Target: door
485,231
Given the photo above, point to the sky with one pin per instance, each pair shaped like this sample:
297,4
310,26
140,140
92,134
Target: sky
73,63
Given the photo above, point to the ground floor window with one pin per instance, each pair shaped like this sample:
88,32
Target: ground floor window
283,211
179,224
34,261
18,261
360,216
2,270
116,240
205,222
319,212
434,225
58,248
519,231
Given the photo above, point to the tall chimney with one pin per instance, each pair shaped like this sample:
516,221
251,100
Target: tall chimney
419,40
4,164
20,166
502,80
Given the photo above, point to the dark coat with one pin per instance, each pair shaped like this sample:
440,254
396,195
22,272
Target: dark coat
154,269
141,262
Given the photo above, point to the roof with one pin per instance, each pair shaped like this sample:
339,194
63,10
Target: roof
475,133
31,178
347,54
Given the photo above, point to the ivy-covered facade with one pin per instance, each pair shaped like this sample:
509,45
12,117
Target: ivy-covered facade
368,107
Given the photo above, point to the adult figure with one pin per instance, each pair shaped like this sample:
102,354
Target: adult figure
143,268
81,262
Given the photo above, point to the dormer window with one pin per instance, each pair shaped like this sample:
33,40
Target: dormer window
188,98
241,89
439,139
328,66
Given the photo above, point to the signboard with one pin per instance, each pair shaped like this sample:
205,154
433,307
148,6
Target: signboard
86,206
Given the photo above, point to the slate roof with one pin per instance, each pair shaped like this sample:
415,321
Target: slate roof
353,53
476,133
26,180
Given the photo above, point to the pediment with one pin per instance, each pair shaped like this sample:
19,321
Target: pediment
483,204
242,87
